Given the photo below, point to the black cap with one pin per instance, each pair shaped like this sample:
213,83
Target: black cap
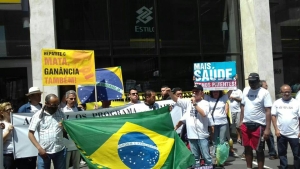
253,76
198,87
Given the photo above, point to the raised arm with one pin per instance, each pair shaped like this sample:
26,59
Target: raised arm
7,132
173,97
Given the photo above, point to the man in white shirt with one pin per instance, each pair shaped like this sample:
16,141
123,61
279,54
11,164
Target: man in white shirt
285,117
255,119
235,108
133,96
196,120
149,102
270,141
73,153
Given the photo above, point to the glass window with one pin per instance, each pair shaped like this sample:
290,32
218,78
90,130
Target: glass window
285,26
219,26
82,25
14,33
178,26
133,27
139,72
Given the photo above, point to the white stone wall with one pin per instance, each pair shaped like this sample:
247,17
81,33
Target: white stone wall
42,35
257,40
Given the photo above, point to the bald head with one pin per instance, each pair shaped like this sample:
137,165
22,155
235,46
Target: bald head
286,91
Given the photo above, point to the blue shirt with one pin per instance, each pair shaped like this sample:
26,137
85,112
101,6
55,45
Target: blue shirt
26,108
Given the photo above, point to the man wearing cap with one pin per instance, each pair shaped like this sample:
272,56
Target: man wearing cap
255,119
33,105
197,121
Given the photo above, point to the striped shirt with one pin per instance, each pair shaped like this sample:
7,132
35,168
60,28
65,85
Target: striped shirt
50,133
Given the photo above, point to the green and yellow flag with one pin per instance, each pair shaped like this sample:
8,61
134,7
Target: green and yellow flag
138,141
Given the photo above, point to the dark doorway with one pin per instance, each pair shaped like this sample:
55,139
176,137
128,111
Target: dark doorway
14,86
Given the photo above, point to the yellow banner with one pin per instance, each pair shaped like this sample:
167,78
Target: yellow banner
68,67
10,1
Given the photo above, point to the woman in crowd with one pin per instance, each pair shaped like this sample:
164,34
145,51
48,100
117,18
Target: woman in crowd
217,103
7,127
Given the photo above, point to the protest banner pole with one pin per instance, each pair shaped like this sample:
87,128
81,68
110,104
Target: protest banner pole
1,149
96,100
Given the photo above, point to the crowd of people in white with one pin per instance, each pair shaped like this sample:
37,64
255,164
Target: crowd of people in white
204,116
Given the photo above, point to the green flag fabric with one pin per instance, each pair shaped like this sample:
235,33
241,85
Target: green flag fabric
139,141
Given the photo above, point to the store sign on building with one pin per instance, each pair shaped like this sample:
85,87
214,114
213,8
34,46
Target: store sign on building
68,67
216,75
144,22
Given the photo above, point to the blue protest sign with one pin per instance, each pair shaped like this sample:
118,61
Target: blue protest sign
216,75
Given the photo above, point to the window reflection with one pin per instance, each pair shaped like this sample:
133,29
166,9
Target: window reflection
14,31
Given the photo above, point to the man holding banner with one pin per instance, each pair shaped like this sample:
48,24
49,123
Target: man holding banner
73,154
48,124
33,105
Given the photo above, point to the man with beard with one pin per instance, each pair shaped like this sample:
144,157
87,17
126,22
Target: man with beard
48,123
255,119
164,94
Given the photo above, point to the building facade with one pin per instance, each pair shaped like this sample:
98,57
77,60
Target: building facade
155,42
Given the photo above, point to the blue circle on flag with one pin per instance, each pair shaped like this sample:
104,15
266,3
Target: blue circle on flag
113,84
109,87
137,150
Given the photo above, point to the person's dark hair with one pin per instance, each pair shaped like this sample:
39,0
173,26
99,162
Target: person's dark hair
174,90
220,95
48,97
164,86
47,100
132,89
261,82
148,92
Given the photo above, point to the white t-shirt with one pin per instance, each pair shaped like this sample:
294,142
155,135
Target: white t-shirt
234,105
219,114
8,144
69,143
298,96
288,114
196,124
68,109
140,107
35,108
255,102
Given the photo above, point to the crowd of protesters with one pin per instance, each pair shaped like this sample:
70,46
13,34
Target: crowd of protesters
204,118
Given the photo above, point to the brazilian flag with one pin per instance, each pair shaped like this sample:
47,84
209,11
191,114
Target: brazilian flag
138,141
